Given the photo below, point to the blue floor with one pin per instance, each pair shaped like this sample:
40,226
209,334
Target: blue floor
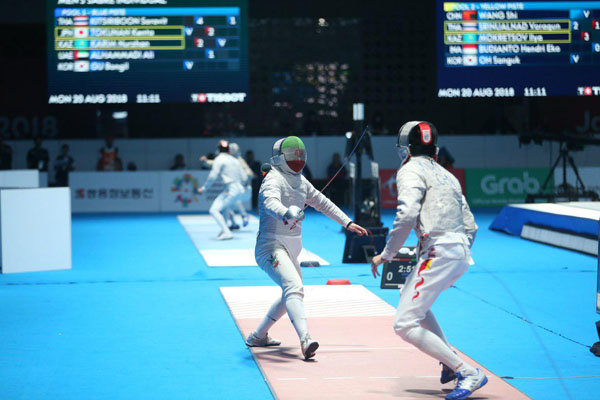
140,315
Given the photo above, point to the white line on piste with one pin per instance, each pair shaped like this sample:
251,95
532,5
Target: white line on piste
386,377
339,377
401,377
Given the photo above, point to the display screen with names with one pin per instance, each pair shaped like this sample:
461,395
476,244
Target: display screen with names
147,51
518,49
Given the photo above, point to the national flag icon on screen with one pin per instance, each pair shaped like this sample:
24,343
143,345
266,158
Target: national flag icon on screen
469,15
469,38
81,55
469,26
470,60
587,90
81,21
201,98
469,49
81,32
82,44
81,66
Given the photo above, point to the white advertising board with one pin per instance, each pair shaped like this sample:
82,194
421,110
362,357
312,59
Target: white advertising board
179,191
115,191
154,191
35,226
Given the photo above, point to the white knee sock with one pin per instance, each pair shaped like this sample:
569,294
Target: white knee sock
432,345
273,315
430,323
295,309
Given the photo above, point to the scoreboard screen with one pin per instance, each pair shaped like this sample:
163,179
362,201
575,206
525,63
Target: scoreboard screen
518,49
147,51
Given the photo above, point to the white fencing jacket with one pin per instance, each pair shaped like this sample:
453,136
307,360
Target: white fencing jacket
226,167
280,190
430,200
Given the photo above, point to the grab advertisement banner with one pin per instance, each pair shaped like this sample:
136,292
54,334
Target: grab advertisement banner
500,186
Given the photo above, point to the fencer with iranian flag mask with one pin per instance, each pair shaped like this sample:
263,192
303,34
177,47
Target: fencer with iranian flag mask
282,197
430,201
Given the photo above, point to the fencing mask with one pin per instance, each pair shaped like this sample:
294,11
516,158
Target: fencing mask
289,154
234,149
416,138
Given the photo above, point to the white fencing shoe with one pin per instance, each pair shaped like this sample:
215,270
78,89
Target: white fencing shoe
467,385
254,341
309,347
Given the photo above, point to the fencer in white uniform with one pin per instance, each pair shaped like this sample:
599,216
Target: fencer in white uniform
228,169
234,150
282,197
430,201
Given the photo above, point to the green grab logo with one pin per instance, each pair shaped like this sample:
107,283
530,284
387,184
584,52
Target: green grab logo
497,187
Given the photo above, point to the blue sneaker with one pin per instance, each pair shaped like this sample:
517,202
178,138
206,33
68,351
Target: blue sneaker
447,374
467,385
245,221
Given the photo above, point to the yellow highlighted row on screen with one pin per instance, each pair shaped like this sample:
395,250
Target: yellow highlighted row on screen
555,21
171,37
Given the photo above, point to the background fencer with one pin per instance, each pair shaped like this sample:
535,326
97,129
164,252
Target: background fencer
228,169
430,201
234,150
282,197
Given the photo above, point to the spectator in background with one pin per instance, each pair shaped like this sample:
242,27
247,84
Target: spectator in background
131,166
109,157
206,161
5,155
445,159
38,157
255,167
62,166
337,188
179,163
